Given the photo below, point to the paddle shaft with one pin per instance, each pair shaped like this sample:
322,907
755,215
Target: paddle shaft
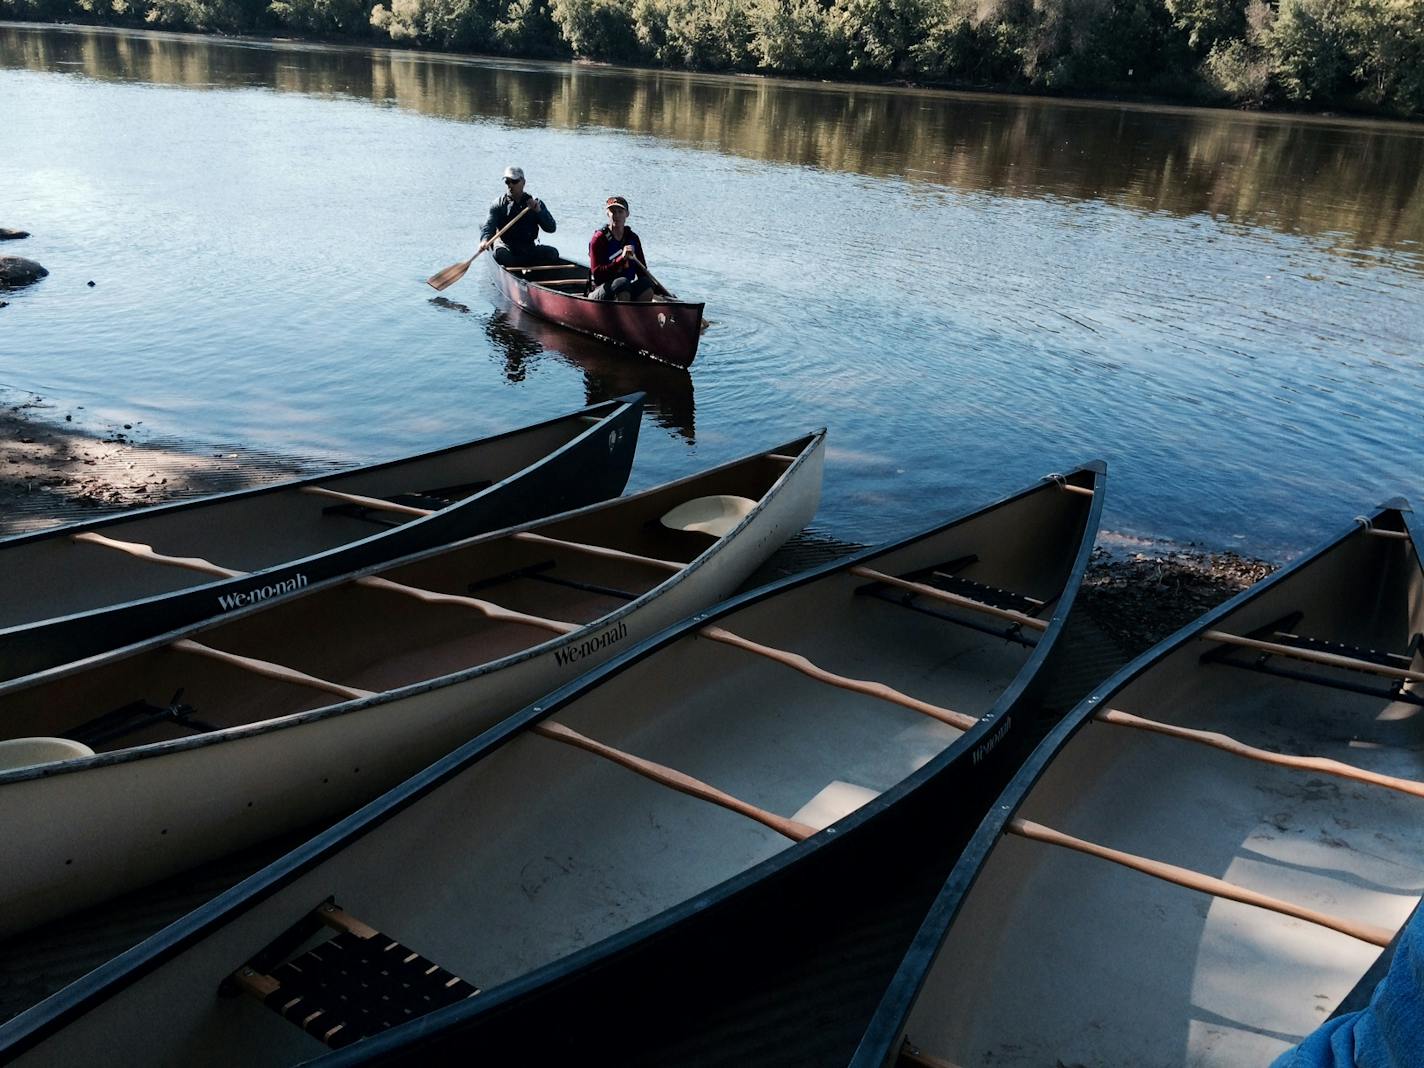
643,267
452,274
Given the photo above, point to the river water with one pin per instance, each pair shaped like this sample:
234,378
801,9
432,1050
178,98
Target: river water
969,291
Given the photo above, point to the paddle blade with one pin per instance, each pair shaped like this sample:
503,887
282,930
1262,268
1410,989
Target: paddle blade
450,275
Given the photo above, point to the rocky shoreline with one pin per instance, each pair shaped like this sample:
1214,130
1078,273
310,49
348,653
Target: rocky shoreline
52,471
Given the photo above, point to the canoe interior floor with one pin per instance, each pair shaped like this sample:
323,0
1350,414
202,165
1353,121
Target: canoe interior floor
855,961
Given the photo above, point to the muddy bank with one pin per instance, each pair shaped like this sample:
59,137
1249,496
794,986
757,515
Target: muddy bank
55,470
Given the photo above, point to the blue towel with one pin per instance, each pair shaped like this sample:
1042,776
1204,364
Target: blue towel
1387,1033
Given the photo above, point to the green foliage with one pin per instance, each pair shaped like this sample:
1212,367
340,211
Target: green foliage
1317,53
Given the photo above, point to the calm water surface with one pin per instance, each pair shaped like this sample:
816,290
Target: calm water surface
969,291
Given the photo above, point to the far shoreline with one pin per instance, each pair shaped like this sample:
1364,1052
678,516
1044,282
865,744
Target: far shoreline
1103,99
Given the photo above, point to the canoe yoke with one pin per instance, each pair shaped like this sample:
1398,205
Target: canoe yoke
1278,638
349,986
945,577
136,716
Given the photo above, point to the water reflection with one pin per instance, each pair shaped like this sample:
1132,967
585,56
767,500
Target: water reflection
1360,183
519,339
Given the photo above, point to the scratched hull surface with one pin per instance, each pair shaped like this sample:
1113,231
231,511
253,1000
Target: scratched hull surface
666,329
66,600
570,887
1125,969
201,750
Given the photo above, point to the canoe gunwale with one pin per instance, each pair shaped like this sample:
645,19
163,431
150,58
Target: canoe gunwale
144,511
813,441
507,282
880,1046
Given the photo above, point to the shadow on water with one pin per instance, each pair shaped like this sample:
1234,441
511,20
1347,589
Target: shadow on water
1357,182
520,339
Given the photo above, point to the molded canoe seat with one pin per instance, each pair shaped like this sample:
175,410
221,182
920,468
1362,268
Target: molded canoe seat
836,800
713,515
23,752
354,984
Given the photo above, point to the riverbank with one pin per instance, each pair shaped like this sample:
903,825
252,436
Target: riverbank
53,471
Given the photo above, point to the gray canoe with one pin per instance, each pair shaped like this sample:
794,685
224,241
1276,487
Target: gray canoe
84,588
594,904
209,739
1038,952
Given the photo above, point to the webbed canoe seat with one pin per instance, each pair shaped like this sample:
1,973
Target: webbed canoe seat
352,985
26,752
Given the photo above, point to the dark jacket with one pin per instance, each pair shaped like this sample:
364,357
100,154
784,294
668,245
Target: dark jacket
525,232
601,250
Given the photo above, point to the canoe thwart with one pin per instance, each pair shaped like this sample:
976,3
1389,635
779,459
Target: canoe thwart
1315,656
1227,744
870,689
675,780
268,669
355,984
596,550
376,503
146,552
715,515
489,609
958,600
1206,884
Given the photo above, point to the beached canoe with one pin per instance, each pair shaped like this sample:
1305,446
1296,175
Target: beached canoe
1207,855
581,863
209,739
668,330
84,588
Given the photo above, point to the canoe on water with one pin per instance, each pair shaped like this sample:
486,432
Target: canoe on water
209,739
1257,779
85,588
668,330
593,863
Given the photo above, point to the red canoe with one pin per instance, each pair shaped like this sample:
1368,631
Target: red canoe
667,330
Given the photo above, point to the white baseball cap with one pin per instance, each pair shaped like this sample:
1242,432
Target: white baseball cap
517,173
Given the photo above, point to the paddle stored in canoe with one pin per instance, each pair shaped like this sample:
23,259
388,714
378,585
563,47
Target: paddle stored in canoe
668,330
210,739
1207,855
85,588
618,853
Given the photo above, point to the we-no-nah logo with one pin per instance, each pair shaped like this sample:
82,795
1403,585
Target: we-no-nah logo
243,598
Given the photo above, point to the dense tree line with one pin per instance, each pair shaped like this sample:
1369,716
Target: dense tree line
1359,54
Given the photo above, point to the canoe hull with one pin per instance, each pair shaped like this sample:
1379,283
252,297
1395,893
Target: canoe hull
667,330
637,991
1173,962
92,828
591,467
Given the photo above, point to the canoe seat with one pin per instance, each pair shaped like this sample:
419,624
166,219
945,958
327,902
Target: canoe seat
352,985
836,800
714,515
26,752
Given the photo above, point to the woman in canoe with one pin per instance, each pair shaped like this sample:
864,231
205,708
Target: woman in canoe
616,262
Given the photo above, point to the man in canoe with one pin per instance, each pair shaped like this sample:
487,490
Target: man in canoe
517,246
615,258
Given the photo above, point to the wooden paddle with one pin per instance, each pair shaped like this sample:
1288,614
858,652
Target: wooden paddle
452,274
643,267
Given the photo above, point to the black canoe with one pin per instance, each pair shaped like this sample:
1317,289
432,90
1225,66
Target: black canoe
70,592
602,911
1037,951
